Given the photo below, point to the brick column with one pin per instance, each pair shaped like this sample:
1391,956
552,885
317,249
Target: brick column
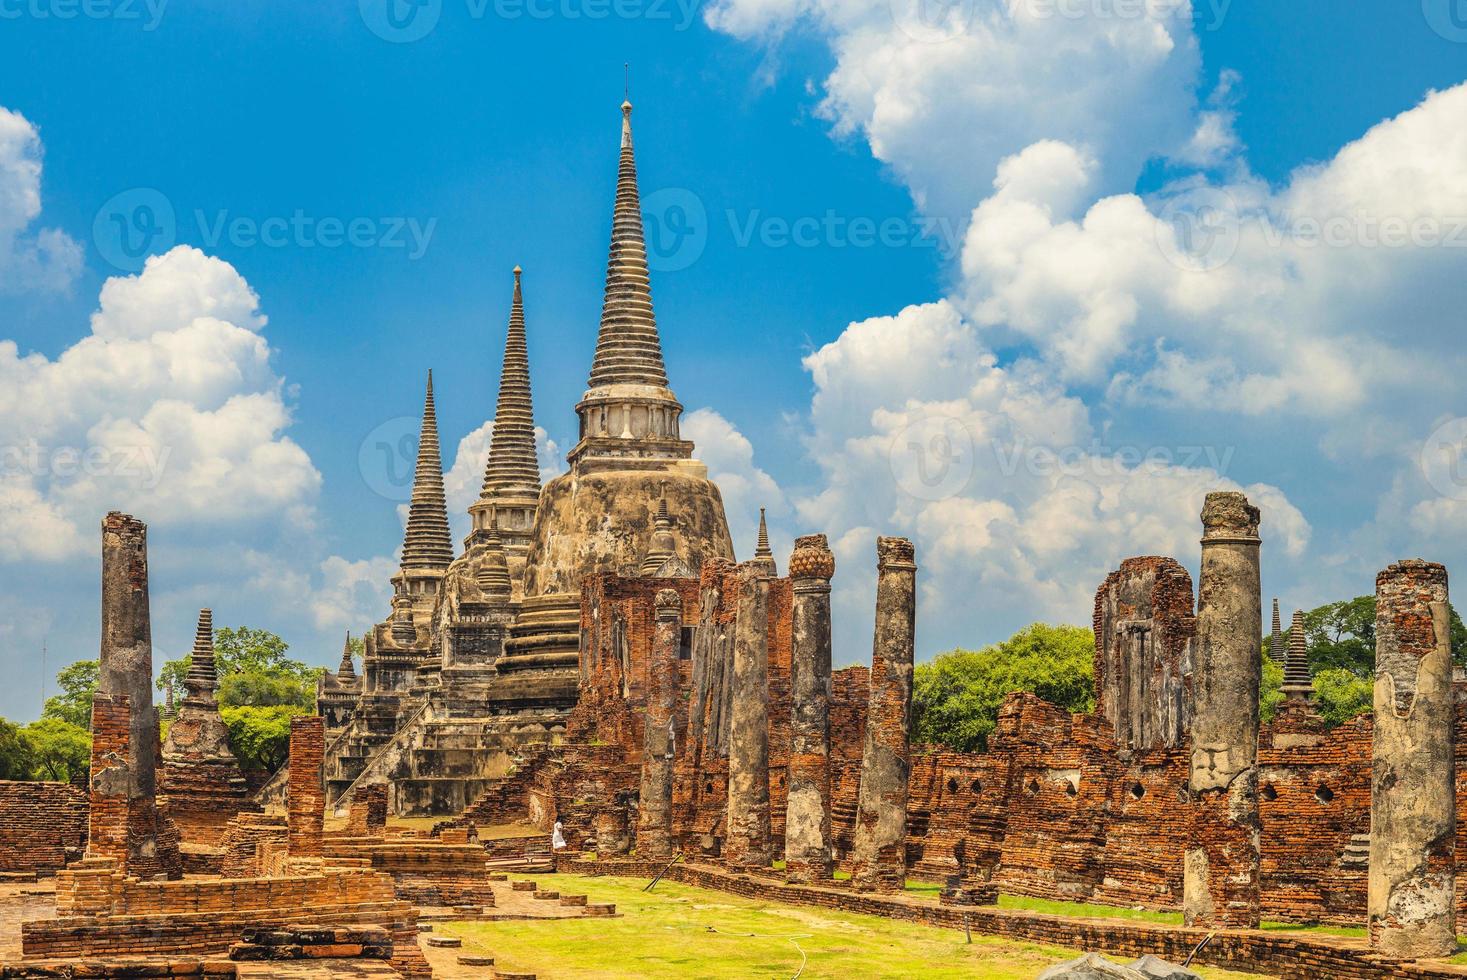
878,853
1413,806
654,830
1220,864
747,841
306,797
367,813
111,779
807,851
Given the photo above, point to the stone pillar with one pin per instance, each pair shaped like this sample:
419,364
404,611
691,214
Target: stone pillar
107,818
654,830
1220,865
878,853
807,851
306,795
747,841
126,670
1413,809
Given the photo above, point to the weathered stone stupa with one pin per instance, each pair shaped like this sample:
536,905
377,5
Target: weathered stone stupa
601,515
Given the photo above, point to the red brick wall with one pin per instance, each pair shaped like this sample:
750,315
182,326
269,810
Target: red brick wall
42,825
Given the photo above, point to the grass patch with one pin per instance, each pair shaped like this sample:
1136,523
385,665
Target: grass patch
1082,910
679,931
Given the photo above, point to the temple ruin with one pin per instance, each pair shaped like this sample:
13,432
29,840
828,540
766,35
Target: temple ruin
594,659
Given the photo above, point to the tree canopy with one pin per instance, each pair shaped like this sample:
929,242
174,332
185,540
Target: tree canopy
78,682
956,696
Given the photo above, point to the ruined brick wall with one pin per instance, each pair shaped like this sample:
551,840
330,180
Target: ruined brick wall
43,826
306,800
108,800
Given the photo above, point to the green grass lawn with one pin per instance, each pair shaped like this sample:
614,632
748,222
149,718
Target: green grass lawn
679,932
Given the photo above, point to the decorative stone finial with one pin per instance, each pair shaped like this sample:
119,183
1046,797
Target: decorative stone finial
812,558
668,604
493,573
202,677
347,668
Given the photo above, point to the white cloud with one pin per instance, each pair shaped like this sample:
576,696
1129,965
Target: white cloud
729,456
169,407
942,99
997,475
45,259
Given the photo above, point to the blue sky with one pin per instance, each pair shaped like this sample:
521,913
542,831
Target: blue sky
493,140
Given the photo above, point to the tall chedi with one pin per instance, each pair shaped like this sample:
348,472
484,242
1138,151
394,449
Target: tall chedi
427,547
600,516
511,491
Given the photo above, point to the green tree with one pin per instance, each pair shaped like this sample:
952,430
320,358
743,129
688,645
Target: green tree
1342,635
16,761
1270,693
260,737
1339,695
78,682
254,671
59,749
956,696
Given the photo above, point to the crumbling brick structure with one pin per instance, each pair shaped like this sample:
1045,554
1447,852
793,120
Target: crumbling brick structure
748,842
654,831
367,813
126,672
306,803
878,858
201,779
807,843
43,826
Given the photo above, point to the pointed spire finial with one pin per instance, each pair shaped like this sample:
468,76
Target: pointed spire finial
512,467
347,668
761,549
1297,683
203,676
426,543
1276,643
628,349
